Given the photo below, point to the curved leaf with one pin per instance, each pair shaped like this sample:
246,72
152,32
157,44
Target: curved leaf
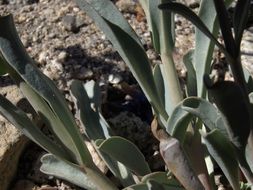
123,150
178,123
87,115
14,53
224,154
204,47
209,115
20,120
229,98
168,182
118,169
60,169
190,15
126,42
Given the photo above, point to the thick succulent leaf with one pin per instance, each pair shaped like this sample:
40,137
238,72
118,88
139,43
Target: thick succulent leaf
178,122
63,170
224,154
47,116
191,83
168,182
203,45
240,19
152,21
118,169
161,26
20,120
125,41
229,98
14,53
204,110
190,15
87,115
123,150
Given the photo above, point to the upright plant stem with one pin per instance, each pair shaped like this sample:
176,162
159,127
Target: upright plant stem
175,93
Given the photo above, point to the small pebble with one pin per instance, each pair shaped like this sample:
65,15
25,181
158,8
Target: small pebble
69,23
114,78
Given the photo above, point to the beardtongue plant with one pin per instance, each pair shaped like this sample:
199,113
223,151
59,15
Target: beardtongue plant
191,131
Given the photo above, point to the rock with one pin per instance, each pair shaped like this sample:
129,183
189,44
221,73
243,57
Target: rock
84,73
62,56
126,6
12,142
43,57
114,78
69,23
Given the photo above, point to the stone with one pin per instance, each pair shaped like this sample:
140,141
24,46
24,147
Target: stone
69,23
126,6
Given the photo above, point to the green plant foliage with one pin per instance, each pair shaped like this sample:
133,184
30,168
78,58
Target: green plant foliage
224,154
189,129
122,150
60,169
121,35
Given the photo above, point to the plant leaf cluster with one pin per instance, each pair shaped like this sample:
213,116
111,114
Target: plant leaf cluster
208,123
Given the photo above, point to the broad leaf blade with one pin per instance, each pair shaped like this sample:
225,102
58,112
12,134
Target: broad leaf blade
204,110
168,182
204,47
123,150
125,42
88,116
229,98
224,154
178,123
118,169
159,23
63,170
